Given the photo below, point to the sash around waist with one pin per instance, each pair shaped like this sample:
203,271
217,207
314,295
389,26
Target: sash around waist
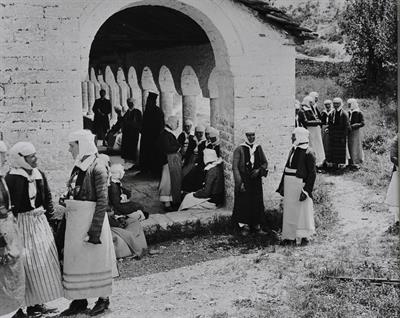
290,171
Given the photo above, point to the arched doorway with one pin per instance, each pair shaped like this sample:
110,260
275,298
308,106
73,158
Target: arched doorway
155,40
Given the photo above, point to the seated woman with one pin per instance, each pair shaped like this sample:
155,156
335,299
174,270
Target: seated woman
125,217
212,194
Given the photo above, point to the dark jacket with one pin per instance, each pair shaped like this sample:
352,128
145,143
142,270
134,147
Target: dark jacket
213,186
92,185
356,120
18,188
190,148
339,122
167,144
307,118
394,153
304,161
121,208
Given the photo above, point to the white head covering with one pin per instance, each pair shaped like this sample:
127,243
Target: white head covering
338,100
209,156
214,133
327,101
200,128
307,101
314,96
188,122
18,152
117,172
171,122
302,137
353,104
85,141
296,104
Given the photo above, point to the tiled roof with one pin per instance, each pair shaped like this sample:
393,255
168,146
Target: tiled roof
280,19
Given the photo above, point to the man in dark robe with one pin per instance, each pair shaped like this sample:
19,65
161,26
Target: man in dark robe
339,128
153,125
249,166
171,178
101,110
131,126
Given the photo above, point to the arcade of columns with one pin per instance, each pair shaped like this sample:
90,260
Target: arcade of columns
120,87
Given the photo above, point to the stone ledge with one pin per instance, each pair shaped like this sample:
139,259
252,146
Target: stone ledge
161,227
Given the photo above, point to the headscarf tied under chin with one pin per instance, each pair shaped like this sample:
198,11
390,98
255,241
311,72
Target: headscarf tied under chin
85,141
117,172
18,152
302,137
210,159
353,104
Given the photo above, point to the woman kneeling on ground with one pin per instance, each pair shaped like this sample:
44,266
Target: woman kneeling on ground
212,194
125,217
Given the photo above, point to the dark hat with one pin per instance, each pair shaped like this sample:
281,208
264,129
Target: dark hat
152,96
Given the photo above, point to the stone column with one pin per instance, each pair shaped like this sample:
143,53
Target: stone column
124,93
214,97
214,111
189,108
167,103
135,91
91,97
168,91
190,90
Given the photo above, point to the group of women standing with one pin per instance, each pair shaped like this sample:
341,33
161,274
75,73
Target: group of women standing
34,269
335,133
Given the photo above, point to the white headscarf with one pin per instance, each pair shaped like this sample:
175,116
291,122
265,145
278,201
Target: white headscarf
353,104
211,159
171,123
3,146
314,96
117,172
87,147
18,152
307,101
302,137
17,155
296,104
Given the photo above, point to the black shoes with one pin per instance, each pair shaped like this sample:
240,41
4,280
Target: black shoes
101,306
76,307
42,309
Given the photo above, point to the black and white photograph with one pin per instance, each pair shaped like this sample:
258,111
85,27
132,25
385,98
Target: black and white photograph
199,159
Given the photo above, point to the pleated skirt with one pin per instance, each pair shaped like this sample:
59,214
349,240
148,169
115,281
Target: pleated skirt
40,259
298,216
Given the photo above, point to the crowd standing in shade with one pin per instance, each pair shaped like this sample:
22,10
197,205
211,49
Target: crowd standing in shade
75,257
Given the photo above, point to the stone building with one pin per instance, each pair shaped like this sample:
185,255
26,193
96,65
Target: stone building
56,54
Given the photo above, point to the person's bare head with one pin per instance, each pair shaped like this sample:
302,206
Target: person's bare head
131,103
102,93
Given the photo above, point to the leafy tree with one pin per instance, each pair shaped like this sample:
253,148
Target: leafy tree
370,27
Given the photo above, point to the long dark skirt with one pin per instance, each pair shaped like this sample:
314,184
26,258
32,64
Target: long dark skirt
248,206
101,124
337,147
175,169
129,143
194,179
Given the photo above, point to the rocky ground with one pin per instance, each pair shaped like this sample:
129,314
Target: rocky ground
225,277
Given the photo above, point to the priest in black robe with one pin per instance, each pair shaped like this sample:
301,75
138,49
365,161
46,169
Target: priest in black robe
131,126
101,110
153,125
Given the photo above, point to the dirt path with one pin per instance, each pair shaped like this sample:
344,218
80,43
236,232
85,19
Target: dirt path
265,282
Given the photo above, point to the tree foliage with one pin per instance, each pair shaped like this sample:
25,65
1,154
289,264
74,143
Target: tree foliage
370,27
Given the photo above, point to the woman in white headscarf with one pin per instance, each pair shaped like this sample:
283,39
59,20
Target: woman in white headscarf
355,137
296,188
310,119
212,193
125,217
32,205
89,256
12,275
171,178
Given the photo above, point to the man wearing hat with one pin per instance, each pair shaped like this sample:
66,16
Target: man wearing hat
249,166
153,125
339,128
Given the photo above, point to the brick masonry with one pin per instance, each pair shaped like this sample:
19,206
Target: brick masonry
44,57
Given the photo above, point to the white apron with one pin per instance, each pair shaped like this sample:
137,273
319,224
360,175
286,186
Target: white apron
88,268
298,216
392,196
196,203
316,144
